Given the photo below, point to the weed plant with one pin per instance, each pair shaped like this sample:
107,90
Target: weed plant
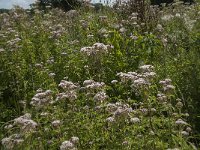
110,79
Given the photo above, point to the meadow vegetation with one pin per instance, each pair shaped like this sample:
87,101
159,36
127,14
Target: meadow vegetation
121,78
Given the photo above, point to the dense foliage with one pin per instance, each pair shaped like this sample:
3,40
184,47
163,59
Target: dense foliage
118,78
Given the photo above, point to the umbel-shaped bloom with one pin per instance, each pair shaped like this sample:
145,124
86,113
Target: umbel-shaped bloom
96,49
26,123
41,98
100,97
111,107
141,79
56,123
92,85
74,140
70,144
67,145
70,90
110,119
167,86
181,122
88,82
122,111
161,97
12,141
146,68
135,120
67,85
72,14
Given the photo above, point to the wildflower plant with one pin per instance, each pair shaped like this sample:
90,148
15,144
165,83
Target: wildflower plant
145,124
88,79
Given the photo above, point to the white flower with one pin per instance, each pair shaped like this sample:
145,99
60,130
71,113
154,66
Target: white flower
153,110
159,27
102,31
74,140
39,90
96,85
168,81
181,122
67,85
52,74
144,111
125,143
72,14
188,129
12,141
88,82
146,68
25,123
100,97
71,95
161,97
184,133
111,107
178,15
162,82
7,143
40,95
135,14
110,119
67,145
121,112
151,133
100,47
63,53
87,50
134,37
133,18
41,98
1,50
149,75
127,76
56,123
140,82
90,35
114,81
44,114
48,92
167,17
135,120
8,126
122,30
169,88
97,49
